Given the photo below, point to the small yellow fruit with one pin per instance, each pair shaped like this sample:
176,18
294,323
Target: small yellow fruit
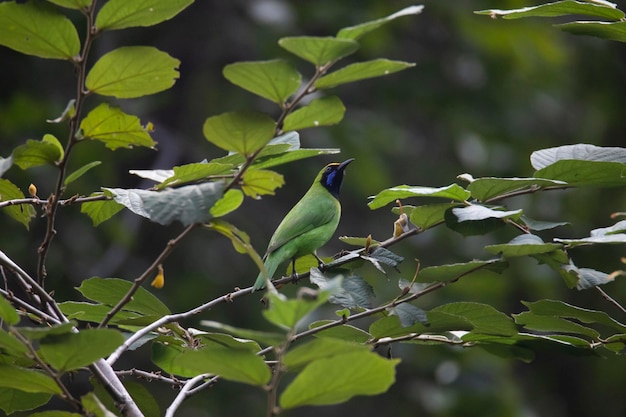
159,280
32,190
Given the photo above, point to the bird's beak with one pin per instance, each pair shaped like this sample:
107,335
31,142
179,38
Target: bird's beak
344,164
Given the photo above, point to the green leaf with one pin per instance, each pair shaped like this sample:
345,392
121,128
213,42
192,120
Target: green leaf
549,324
100,211
233,364
35,153
287,313
139,393
587,277
93,406
484,189
145,400
425,216
80,171
451,192
617,228
275,80
343,332
72,4
12,400
195,172
37,29
324,111
5,164
478,212
165,356
115,128
586,173
438,322
7,312
111,290
523,245
484,318
452,272
27,380
614,31
68,112
385,256
268,338
243,132
337,379
559,8
120,14
539,225
319,349
239,239
356,32
477,219
599,239
188,204
9,345
230,202
21,213
93,313
258,182
37,333
355,292
72,351
319,50
132,71
581,152
156,175
409,314
291,156
361,71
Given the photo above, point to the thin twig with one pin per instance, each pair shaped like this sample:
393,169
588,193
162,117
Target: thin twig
151,376
32,286
81,94
147,273
101,369
611,299
29,308
184,393
420,338
66,394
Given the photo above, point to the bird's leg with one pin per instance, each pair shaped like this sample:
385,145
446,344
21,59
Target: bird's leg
320,263
294,274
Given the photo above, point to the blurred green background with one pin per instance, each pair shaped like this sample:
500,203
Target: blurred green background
484,94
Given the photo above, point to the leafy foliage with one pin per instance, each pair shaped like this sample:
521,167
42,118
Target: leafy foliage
340,361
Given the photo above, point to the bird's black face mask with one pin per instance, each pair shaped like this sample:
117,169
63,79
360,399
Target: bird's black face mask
333,176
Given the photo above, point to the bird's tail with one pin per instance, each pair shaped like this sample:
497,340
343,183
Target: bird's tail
271,264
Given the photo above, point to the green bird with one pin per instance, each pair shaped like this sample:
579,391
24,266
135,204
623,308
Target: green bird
309,224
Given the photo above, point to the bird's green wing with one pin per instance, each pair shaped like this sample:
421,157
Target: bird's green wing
307,215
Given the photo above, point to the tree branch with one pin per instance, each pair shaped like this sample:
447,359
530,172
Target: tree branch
184,393
147,273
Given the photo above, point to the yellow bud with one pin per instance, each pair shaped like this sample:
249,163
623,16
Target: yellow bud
32,190
159,280
401,225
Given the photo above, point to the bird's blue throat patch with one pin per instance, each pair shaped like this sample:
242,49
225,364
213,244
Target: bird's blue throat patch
331,180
